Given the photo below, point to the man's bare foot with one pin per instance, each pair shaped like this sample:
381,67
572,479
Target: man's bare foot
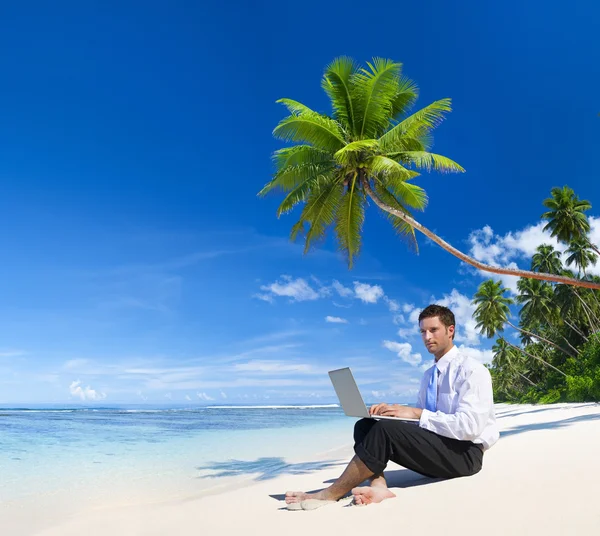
298,496
368,495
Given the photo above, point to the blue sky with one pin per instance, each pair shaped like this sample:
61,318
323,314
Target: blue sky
138,263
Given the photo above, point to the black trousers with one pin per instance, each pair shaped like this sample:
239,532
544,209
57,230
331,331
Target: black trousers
409,445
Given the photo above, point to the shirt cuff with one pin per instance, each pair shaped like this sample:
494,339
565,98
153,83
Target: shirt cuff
424,420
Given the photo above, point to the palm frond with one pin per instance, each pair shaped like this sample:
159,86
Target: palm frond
295,107
417,124
382,165
354,151
406,95
302,191
310,127
297,155
349,220
319,212
426,160
374,90
337,83
291,177
409,195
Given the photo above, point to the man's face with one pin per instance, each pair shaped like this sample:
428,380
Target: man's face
435,335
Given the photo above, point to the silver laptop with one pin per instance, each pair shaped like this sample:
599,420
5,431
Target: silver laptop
350,398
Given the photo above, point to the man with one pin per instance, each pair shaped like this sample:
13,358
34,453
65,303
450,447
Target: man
456,425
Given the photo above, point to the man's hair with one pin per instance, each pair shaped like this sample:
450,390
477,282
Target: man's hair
445,315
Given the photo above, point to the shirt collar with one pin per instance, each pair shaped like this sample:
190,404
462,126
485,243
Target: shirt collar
444,361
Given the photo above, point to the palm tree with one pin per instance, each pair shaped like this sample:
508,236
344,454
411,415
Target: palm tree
492,313
505,360
546,259
538,307
566,216
369,148
581,254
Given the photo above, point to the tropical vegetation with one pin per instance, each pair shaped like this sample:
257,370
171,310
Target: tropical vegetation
552,353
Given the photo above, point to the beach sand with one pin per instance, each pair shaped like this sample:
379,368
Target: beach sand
541,478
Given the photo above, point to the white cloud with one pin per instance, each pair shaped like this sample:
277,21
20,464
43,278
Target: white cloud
188,398
343,291
407,308
264,297
426,365
223,395
398,319
413,317
76,364
86,393
335,320
393,305
408,332
204,396
505,251
368,293
272,366
463,312
296,289
12,353
404,351
483,356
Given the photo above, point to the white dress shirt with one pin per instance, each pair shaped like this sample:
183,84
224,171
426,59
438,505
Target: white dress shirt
465,402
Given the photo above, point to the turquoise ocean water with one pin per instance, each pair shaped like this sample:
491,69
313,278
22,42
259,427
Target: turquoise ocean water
92,456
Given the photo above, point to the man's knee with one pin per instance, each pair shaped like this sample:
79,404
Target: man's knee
362,428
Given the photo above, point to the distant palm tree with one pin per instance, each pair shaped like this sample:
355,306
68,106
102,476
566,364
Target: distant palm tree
566,216
546,259
369,148
581,254
505,360
492,312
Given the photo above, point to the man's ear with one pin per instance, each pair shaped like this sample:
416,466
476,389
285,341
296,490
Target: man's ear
451,331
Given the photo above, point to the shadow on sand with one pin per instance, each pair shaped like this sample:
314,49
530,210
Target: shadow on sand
553,425
268,468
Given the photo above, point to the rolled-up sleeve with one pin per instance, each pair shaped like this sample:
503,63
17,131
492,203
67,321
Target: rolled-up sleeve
475,401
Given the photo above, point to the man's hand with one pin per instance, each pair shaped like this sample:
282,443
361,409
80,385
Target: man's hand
395,410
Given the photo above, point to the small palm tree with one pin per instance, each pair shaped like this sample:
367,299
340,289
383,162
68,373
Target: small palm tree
369,148
581,254
492,312
546,259
539,309
505,360
566,216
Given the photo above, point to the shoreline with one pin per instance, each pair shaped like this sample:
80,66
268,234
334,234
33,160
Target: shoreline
543,449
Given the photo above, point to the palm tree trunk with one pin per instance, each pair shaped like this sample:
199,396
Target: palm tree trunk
470,260
585,308
576,330
542,339
555,328
535,357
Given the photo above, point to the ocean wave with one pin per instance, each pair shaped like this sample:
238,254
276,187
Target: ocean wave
317,406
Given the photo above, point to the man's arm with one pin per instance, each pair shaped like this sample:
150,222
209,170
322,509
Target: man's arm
475,400
396,410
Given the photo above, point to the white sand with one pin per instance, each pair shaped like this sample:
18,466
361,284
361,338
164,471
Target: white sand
541,478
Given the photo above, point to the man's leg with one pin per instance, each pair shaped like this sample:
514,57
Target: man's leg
355,473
